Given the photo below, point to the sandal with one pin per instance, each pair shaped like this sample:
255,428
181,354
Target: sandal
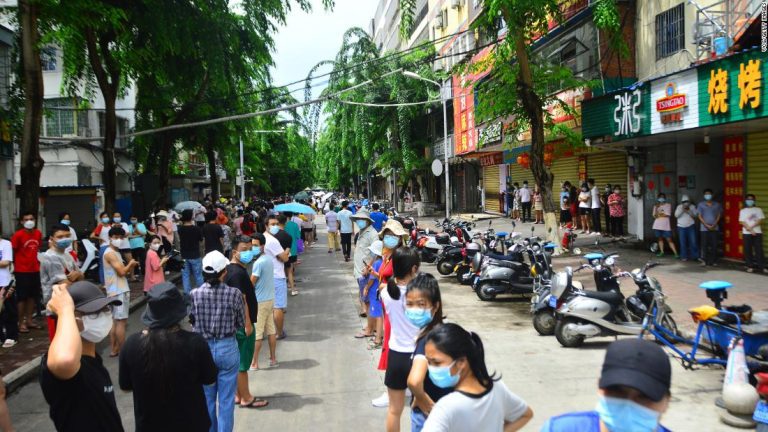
273,364
255,403
23,329
374,346
362,335
35,326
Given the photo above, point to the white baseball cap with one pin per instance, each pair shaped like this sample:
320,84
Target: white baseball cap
214,262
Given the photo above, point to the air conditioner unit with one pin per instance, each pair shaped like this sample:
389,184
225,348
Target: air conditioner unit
456,4
439,23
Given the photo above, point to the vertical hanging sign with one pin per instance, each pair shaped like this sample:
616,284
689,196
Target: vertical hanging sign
733,194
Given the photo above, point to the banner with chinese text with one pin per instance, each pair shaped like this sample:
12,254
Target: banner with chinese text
733,195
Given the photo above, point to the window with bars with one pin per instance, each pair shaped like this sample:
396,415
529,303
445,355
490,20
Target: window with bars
48,58
59,122
670,31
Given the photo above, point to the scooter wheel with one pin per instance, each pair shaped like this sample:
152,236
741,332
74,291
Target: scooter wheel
544,322
444,267
566,339
482,295
461,275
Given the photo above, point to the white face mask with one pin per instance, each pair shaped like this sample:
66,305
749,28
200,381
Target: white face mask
29,224
116,242
96,327
155,246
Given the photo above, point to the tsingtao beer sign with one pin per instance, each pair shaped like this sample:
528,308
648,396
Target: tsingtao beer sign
670,107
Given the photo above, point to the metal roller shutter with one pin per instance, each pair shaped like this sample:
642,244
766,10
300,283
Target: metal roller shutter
756,173
491,188
565,169
608,167
518,174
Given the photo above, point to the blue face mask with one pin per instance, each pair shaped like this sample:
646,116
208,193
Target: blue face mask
441,376
391,241
117,219
274,229
749,203
256,251
65,222
245,256
708,197
624,415
361,224
662,199
64,243
105,220
418,316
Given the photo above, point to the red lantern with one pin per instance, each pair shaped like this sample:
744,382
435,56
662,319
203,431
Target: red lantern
520,160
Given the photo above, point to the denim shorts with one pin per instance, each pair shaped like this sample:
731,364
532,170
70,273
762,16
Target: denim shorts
281,293
662,234
417,420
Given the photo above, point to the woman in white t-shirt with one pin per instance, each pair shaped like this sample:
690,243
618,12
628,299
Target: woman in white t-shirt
480,401
585,208
402,339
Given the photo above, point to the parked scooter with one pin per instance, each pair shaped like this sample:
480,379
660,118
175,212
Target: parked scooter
594,313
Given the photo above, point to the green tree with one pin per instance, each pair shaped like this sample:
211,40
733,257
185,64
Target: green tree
359,138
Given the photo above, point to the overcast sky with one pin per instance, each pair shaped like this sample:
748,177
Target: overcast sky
309,38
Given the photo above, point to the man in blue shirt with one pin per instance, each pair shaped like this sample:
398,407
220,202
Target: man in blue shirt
634,392
346,229
710,213
379,218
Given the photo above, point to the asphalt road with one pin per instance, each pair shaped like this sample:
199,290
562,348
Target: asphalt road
326,378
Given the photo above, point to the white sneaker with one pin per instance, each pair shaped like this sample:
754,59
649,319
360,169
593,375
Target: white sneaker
381,401
9,343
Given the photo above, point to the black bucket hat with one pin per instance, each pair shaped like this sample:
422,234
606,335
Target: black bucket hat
165,306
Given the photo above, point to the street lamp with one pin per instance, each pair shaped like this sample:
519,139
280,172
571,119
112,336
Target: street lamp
414,75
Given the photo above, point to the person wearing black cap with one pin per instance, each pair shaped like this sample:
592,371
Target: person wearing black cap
166,367
75,383
634,392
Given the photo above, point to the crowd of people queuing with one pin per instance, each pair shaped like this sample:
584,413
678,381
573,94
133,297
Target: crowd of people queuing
582,209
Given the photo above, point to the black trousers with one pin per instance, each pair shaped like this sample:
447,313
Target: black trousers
753,251
596,220
9,319
346,244
709,241
616,226
526,211
140,255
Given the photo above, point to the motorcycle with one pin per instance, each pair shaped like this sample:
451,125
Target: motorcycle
595,313
453,254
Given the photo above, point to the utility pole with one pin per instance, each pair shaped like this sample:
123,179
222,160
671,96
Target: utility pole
242,173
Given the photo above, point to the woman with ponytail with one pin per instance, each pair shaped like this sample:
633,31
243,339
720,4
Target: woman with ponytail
424,308
402,340
480,401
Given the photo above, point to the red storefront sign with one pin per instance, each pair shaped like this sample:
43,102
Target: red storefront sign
465,133
491,159
733,194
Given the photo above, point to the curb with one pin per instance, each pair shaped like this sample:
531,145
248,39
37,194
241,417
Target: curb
31,369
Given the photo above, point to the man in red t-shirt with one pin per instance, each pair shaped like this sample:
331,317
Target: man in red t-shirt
26,244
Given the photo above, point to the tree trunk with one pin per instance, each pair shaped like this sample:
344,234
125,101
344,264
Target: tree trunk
210,154
164,170
109,177
31,162
534,109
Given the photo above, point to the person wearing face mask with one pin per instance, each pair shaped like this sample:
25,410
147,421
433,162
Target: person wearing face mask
525,202
595,203
237,277
480,401
616,211
217,312
73,379
402,340
371,293
116,282
136,233
585,208
279,250
346,228
262,276
424,308
710,212
125,244
154,265
57,266
26,245
100,234
686,214
662,225
293,229
367,235
633,392
66,219
750,218
607,191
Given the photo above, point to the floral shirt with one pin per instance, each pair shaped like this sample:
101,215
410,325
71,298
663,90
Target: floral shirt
616,205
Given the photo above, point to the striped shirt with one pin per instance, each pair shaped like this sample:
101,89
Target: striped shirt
218,311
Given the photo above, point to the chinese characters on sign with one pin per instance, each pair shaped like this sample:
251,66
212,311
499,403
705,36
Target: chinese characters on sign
625,115
718,92
749,84
733,191
490,133
464,116
491,159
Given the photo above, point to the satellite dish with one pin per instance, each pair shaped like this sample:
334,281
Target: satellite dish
437,167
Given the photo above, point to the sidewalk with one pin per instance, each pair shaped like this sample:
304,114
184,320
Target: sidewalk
20,363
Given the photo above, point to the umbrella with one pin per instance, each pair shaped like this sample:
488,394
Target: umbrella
184,205
301,196
294,207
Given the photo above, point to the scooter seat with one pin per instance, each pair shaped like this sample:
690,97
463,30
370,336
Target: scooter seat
507,264
502,234
500,257
457,244
610,297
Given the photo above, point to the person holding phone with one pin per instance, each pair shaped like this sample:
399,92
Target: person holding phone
154,265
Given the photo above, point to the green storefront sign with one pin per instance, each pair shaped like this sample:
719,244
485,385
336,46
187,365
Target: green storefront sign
732,89
618,116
